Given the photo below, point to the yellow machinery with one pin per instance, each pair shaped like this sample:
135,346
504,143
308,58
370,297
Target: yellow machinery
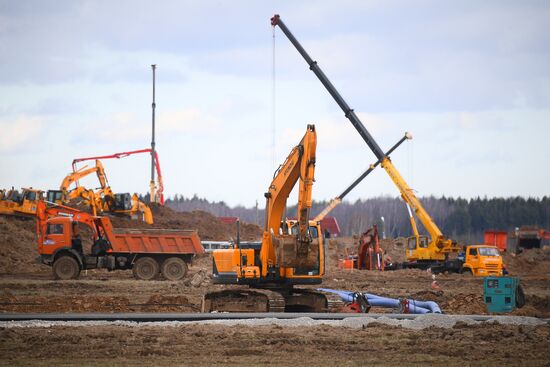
22,204
438,247
104,200
285,257
338,200
478,260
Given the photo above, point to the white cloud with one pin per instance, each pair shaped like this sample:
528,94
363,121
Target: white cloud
19,131
127,126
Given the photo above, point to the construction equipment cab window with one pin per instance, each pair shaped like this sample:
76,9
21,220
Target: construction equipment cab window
295,230
423,242
55,229
488,251
473,251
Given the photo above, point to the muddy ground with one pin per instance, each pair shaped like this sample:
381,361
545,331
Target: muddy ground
29,287
205,345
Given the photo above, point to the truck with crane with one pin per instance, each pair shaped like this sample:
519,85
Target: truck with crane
423,252
148,253
285,258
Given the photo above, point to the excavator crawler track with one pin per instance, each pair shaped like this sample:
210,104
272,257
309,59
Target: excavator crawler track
270,300
243,300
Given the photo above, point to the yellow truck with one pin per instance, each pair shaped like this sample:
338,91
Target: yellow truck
481,260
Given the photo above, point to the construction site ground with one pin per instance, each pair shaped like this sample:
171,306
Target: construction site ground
28,287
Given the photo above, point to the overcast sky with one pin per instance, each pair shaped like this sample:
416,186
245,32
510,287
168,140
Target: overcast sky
469,79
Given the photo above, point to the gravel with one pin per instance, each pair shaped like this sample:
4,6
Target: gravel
419,323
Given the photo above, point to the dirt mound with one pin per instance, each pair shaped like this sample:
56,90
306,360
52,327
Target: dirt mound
208,226
532,261
18,249
395,248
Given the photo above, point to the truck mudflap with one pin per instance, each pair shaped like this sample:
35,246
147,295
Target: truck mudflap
44,259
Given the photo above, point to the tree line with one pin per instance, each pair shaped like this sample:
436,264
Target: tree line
458,218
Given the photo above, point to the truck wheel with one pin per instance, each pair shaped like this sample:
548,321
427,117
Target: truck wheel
66,267
146,268
467,271
174,268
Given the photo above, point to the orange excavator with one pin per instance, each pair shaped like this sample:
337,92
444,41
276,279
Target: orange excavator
285,257
104,200
370,256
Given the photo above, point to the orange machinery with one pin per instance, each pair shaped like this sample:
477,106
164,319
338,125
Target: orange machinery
286,256
147,252
159,193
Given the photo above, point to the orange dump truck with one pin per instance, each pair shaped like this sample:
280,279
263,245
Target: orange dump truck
148,253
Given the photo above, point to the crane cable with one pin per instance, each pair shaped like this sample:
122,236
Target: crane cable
410,162
273,119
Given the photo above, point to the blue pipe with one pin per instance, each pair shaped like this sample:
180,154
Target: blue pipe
415,307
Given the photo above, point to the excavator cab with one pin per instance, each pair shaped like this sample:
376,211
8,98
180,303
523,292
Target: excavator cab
54,196
123,201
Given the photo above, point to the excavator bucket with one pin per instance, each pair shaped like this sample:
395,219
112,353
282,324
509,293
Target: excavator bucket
291,253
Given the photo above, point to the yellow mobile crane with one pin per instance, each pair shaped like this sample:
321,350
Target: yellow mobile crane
282,260
437,250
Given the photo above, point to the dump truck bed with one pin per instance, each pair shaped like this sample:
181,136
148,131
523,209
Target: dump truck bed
156,241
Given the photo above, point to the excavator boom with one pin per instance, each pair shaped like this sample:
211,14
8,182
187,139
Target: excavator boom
299,165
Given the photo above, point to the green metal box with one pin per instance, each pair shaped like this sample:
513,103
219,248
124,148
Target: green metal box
499,294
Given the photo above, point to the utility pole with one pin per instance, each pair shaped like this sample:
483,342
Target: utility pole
152,186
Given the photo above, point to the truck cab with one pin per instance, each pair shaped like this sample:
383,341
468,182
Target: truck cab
482,260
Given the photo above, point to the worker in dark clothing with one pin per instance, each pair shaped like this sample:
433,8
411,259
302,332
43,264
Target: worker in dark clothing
76,241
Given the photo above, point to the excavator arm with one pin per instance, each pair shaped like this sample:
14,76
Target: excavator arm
277,248
83,172
439,245
140,206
